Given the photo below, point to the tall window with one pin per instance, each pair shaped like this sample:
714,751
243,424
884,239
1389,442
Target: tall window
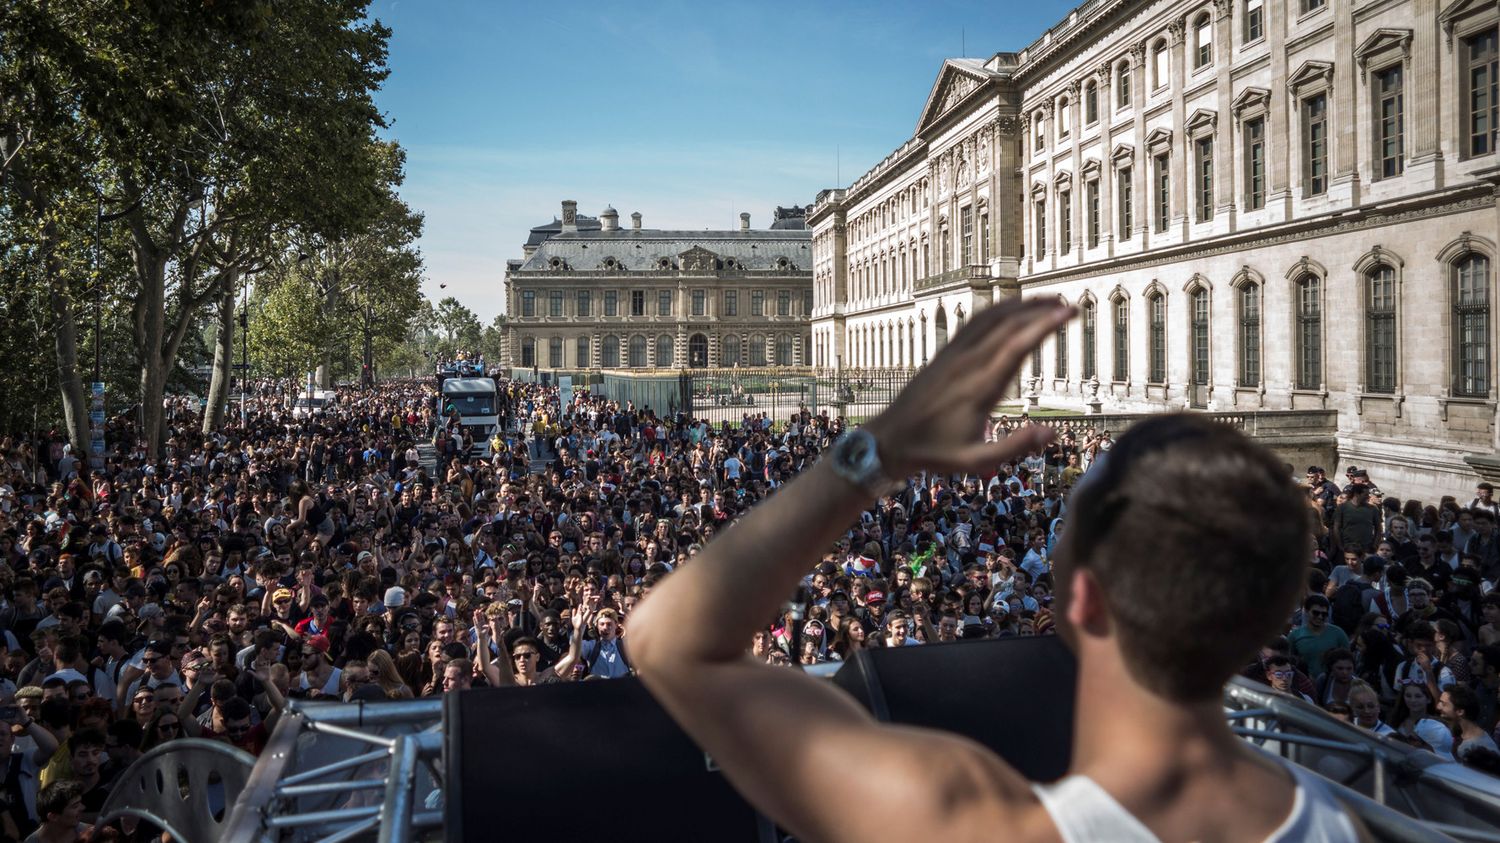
528,303
1254,21
784,355
1125,190
1389,132
783,302
1039,133
700,302
1122,340
1200,337
555,303
1250,334
584,303
1036,358
637,302
555,353
1482,80
664,352
609,352
757,303
757,350
1062,352
528,352
1041,227
1091,102
1163,198
967,244
1471,325
1064,117
1255,163
731,303
1091,196
1380,329
1312,5
638,352
1161,70
664,303
582,352
1203,158
611,303
1315,145
1122,84
1064,221
729,355
1203,41
1309,332
807,302
985,248
1090,333
1157,307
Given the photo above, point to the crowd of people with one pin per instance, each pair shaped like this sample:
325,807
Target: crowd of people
192,594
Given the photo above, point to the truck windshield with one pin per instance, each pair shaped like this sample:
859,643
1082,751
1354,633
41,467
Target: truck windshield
478,404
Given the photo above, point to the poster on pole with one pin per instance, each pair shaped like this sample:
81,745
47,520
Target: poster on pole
564,392
96,425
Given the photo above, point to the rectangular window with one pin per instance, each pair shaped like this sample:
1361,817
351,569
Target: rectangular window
1064,221
1091,196
757,303
1255,164
585,304
1157,306
1200,360
1163,191
637,302
1062,352
807,302
1389,133
1312,5
664,303
528,352
555,353
555,304
985,248
1122,340
967,216
1254,21
783,302
1250,335
1482,54
1041,227
1126,194
1122,84
1203,39
1380,327
1315,145
1203,156
1161,71
528,303
1090,355
1471,326
611,303
1309,332
731,303
700,302
1064,118
583,353
1091,103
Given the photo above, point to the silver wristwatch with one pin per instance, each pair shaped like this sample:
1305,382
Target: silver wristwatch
856,458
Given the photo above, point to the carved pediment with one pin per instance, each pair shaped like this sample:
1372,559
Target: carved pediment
698,259
1311,73
957,79
1090,169
1159,140
1123,156
1383,42
1251,100
1460,9
1202,121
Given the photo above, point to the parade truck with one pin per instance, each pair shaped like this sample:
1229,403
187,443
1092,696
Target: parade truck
478,407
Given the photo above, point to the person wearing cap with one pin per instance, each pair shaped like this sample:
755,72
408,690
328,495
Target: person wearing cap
317,677
155,669
316,623
1322,490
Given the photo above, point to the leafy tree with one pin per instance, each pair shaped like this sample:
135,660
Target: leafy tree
461,329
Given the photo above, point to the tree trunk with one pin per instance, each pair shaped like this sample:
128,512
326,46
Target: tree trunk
218,388
150,319
65,344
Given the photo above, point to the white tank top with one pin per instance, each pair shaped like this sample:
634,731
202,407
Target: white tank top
1084,813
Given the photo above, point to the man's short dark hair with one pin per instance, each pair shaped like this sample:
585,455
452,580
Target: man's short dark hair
56,797
127,732
1464,699
1312,600
1482,514
86,737
235,708
1193,585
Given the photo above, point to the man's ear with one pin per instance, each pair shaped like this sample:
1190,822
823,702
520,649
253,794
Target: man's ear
1087,611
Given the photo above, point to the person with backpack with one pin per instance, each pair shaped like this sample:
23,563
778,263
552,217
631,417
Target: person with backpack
1354,593
605,655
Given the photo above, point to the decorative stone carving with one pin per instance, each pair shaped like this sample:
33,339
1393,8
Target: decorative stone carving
1176,30
1138,54
1033,390
1091,395
1007,124
984,150
1222,9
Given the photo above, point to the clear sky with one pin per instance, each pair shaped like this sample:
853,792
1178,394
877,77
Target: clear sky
689,112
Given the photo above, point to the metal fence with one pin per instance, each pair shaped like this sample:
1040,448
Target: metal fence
732,395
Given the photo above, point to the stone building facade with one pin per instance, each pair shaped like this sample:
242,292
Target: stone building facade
1258,205
590,295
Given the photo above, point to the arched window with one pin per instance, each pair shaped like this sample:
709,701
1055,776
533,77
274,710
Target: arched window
1122,340
1380,329
1039,133
730,353
784,350
1200,329
637,352
1161,69
1064,117
757,350
1061,350
1249,307
1309,332
528,352
1203,40
1471,325
940,323
664,355
609,352
1090,102
1156,307
583,352
1122,84
698,351
1090,335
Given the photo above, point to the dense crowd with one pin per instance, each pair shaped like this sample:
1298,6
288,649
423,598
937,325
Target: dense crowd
318,557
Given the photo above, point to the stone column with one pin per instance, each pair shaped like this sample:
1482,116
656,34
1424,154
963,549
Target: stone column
1225,203
679,346
1027,229
596,351
1182,148
714,359
1106,168
1344,102
1140,176
1076,196
1424,84
1280,142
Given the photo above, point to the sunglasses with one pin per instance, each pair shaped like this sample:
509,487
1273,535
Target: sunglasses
168,727
527,655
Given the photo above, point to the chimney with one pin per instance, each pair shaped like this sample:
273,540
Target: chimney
745,221
569,216
635,220
609,219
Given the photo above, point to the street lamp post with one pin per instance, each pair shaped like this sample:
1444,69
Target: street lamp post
244,356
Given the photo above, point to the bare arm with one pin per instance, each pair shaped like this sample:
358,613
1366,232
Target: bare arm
913,782
565,664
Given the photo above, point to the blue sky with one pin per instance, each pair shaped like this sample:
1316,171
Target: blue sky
687,112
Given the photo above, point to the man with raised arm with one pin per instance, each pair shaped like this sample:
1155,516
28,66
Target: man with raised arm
1185,551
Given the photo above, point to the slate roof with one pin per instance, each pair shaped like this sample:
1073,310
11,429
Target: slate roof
644,249
551,229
